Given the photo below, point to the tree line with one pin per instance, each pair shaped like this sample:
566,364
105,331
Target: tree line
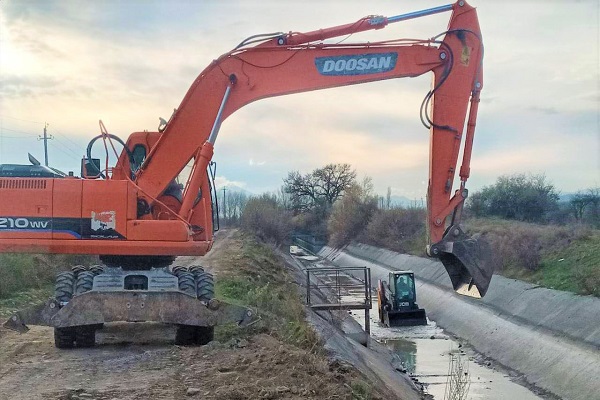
332,204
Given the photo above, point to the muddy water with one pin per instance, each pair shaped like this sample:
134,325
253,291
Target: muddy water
425,352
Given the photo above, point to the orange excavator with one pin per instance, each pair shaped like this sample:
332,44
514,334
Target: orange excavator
143,211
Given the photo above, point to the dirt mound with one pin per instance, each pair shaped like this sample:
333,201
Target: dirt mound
140,361
261,367
264,368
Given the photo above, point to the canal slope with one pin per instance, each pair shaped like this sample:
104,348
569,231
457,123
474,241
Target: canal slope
550,337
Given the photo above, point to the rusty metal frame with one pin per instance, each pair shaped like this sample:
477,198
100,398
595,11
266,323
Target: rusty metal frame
335,289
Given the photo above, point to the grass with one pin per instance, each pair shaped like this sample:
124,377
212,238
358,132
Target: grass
28,279
24,299
361,390
21,272
575,268
251,274
558,257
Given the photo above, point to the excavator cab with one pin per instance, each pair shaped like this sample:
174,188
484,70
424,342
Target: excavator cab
398,301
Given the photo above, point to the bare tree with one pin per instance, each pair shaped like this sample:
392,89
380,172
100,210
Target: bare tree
231,211
388,198
352,213
579,202
586,206
323,186
333,179
264,217
284,198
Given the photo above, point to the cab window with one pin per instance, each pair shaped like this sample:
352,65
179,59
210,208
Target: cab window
404,287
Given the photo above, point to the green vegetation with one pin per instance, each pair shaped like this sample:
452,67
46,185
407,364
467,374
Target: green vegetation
24,299
361,391
574,268
251,274
520,197
19,272
581,261
28,279
534,237
265,217
558,257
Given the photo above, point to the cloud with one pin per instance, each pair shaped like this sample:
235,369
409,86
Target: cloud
128,63
221,181
23,86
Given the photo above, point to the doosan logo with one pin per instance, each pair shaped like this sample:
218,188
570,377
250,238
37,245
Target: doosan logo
360,64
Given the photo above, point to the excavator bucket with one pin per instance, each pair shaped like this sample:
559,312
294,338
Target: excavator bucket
467,260
405,318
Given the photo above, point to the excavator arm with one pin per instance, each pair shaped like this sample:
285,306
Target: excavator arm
289,63
140,217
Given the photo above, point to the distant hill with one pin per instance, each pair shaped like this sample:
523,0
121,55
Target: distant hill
566,197
402,201
233,188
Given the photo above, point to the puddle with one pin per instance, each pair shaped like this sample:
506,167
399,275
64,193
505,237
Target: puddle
425,353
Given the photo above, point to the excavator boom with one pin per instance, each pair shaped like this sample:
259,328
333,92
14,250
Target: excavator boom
139,209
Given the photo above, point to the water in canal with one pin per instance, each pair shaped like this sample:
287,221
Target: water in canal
425,352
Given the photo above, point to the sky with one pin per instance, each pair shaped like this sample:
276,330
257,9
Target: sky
129,62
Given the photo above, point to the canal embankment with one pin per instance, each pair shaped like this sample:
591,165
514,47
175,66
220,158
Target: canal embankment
550,337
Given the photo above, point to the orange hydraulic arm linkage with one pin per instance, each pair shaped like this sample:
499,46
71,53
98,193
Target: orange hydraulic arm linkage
296,62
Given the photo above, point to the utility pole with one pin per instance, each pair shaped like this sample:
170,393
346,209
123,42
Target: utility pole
224,205
45,138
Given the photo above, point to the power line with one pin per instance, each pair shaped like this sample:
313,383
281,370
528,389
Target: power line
64,145
17,131
21,119
67,138
64,152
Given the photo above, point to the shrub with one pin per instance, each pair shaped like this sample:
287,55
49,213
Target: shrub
267,219
523,245
520,197
396,229
313,222
351,214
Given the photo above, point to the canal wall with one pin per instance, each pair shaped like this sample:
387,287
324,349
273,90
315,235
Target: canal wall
550,337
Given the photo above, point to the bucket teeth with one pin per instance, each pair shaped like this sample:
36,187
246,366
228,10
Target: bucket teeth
467,261
15,323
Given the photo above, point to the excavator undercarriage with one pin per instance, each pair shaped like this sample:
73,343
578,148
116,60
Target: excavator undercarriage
87,298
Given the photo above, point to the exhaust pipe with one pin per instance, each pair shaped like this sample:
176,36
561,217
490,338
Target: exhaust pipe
467,261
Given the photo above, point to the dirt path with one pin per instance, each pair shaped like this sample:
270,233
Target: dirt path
139,361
